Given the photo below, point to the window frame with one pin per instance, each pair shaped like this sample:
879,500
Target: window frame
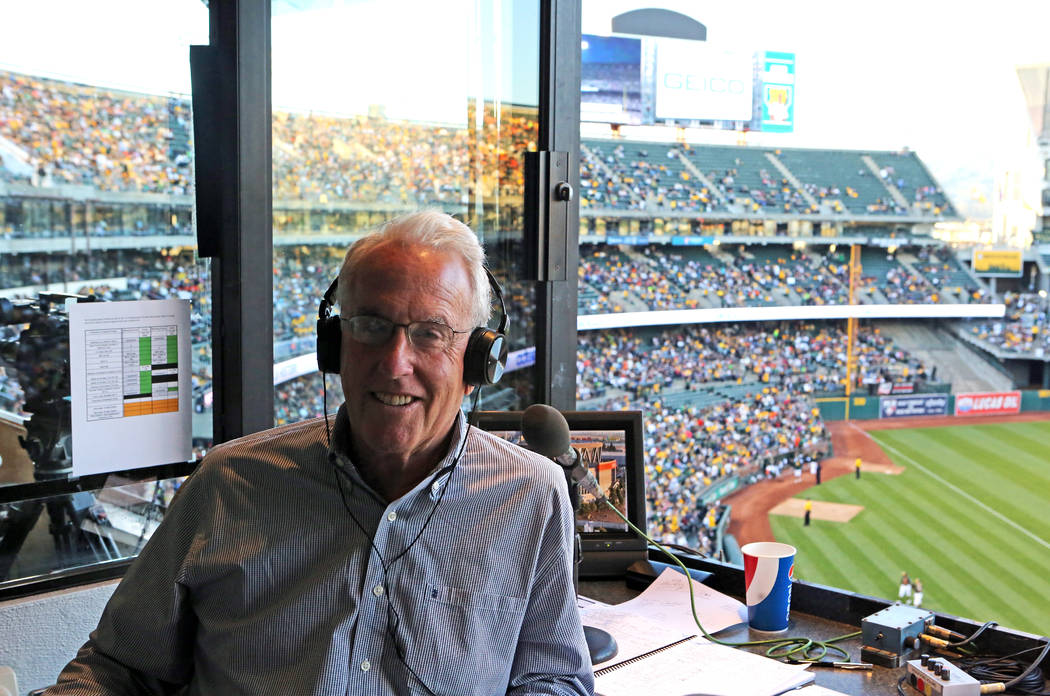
236,232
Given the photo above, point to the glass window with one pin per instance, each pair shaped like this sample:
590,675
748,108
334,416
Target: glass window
60,218
735,177
134,219
96,163
38,214
354,149
106,220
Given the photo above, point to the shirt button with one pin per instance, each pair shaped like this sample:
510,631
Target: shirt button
377,590
436,487
365,666
391,515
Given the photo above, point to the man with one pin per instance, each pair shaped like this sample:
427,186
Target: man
808,511
905,589
406,554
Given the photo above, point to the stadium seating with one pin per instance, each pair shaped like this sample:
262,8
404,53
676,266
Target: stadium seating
718,399
658,277
1024,331
708,178
723,394
747,178
112,140
602,178
125,141
906,171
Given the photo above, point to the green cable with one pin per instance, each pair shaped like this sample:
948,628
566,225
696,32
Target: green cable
809,650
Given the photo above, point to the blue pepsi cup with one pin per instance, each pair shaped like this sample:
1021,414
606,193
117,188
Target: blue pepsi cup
768,567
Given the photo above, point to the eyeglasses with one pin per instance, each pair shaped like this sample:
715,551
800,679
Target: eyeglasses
426,336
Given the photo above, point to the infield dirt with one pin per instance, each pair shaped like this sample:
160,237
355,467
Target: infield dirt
753,505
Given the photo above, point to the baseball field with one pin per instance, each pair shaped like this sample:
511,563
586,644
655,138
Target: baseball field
966,509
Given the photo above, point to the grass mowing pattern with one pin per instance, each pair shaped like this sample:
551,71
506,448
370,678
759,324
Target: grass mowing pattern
971,563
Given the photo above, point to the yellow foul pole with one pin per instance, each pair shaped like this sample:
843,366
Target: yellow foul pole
851,323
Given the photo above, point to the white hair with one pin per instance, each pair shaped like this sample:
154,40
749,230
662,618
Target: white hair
435,230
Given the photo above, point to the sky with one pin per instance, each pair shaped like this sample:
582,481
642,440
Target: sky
936,76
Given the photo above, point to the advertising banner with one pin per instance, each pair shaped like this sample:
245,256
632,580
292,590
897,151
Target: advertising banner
916,405
778,92
720,490
987,403
998,263
695,81
692,241
629,239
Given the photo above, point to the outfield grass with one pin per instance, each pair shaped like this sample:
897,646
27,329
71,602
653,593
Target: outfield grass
940,521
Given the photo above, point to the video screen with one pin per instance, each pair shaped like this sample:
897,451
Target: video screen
611,79
604,453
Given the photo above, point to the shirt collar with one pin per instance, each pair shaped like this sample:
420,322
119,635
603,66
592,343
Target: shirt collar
435,480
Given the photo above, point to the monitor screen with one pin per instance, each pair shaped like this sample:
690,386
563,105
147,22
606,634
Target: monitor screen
610,446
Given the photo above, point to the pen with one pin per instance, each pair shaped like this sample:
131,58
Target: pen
834,665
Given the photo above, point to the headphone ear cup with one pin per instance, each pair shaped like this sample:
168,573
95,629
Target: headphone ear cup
485,358
329,344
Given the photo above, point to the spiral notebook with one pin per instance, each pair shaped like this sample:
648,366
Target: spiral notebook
693,665
627,663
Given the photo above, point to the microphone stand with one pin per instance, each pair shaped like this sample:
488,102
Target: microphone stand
600,643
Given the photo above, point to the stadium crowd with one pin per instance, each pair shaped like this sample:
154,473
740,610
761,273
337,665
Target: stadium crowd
628,175
659,277
719,400
801,356
123,141
127,141
766,194
1024,329
716,396
662,278
108,139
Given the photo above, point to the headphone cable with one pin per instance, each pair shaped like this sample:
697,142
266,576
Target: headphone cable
387,565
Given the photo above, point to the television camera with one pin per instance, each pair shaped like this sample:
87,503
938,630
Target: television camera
39,356
34,346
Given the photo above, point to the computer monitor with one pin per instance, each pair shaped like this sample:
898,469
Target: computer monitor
610,445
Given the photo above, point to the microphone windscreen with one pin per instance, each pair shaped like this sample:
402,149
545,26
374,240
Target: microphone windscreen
545,430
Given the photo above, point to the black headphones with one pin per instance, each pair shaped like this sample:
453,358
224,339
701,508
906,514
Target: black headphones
483,363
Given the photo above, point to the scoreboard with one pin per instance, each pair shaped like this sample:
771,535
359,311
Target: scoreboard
646,80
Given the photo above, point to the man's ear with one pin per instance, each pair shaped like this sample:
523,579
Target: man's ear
468,389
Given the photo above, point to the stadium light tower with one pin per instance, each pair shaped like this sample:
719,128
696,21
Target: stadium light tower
1035,84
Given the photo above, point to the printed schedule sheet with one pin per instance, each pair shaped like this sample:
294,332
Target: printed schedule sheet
129,384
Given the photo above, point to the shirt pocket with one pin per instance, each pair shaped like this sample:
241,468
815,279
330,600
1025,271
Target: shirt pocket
469,639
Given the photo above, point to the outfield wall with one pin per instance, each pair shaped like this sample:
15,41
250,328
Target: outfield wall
866,407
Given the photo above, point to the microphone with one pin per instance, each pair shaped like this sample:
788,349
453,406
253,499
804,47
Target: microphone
547,432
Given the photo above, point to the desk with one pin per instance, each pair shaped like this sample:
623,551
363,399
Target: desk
817,612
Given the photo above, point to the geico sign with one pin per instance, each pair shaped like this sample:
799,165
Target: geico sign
700,83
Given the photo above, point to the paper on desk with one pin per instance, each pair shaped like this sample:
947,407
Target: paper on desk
701,667
585,602
635,635
661,614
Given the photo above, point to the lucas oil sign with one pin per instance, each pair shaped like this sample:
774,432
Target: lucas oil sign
987,403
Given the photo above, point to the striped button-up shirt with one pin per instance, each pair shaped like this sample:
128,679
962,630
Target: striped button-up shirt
261,581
